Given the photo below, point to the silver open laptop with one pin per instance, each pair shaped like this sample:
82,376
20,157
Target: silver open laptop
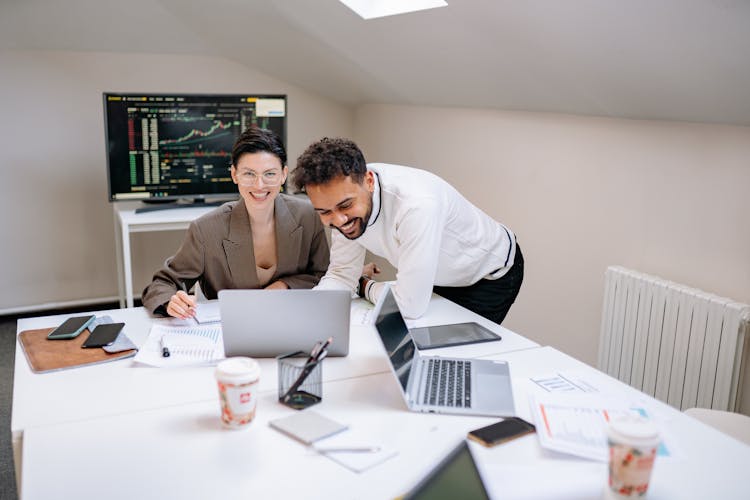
440,384
266,323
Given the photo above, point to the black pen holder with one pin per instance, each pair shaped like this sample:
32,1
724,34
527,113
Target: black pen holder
309,391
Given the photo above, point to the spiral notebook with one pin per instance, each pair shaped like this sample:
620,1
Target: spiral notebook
187,345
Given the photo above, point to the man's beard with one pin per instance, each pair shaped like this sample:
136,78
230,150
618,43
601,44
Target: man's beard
362,223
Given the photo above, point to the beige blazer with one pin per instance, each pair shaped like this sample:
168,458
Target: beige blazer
218,252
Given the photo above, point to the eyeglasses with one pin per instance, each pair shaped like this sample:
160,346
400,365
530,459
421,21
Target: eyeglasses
250,178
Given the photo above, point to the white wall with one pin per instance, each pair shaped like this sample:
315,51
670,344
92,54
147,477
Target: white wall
670,199
57,225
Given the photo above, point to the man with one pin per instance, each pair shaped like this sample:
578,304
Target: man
435,238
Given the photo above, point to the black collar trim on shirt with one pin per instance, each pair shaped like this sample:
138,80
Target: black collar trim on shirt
380,200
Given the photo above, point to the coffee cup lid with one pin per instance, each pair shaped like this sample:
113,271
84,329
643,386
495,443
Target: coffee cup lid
638,431
238,370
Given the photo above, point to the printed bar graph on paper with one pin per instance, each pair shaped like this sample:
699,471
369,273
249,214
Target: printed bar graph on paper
209,333
577,423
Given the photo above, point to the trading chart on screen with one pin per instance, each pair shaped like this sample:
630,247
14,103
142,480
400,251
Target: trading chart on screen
180,145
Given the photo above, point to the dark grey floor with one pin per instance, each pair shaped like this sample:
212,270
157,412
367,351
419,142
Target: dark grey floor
8,489
7,356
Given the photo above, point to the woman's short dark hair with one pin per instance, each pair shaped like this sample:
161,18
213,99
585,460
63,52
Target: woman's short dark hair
258,140
328,159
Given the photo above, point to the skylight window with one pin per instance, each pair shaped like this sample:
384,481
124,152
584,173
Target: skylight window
370,9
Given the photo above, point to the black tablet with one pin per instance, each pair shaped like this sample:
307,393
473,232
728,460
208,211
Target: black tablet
432,337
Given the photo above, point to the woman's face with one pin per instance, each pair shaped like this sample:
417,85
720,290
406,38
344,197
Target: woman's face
258,177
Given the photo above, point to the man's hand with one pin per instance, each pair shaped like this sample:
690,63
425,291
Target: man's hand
370,269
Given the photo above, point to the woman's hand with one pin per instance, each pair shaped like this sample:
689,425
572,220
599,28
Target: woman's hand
277,285
181,305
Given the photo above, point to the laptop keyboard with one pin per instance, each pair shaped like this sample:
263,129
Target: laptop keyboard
448,383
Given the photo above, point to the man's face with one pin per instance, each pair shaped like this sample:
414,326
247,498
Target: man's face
343,204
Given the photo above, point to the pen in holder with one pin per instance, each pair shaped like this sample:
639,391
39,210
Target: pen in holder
300,380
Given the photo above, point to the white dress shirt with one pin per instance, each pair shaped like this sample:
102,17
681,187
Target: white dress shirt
429,232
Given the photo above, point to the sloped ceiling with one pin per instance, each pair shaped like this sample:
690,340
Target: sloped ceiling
654,59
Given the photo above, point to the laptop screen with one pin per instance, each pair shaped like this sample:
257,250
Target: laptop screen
395,337
455,477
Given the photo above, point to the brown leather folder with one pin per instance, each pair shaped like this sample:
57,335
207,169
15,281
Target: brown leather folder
46,355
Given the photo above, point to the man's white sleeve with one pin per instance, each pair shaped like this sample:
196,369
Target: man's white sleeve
419,233
347,259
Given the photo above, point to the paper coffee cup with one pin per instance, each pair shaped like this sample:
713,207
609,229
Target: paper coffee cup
238,379
633,442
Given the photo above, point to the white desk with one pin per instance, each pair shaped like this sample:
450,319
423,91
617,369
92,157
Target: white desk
122,387
182,452
127,221
705,463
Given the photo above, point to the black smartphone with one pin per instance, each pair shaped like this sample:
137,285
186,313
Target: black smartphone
502,431
103,335
70,328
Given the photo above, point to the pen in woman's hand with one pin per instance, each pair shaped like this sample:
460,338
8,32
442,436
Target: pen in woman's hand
190,311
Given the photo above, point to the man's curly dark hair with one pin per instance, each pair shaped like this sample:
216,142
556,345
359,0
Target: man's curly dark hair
328,159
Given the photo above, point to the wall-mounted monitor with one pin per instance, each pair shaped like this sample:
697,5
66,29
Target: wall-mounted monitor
178,146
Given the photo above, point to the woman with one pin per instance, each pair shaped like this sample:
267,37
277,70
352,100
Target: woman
264,240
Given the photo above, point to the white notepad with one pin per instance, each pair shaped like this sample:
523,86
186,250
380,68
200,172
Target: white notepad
307,426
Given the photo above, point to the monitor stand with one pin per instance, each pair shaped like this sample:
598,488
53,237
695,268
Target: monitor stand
157,204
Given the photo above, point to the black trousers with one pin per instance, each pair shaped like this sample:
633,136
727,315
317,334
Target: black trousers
489,298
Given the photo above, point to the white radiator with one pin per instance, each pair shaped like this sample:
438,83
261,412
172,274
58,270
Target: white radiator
681,345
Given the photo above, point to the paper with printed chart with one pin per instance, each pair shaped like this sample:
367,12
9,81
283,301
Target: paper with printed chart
187,345
577,423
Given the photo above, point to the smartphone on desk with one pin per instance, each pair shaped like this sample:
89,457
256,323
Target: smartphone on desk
103,335
70,328
500,432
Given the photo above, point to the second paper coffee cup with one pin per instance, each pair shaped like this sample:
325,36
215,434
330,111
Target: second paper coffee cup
633,443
